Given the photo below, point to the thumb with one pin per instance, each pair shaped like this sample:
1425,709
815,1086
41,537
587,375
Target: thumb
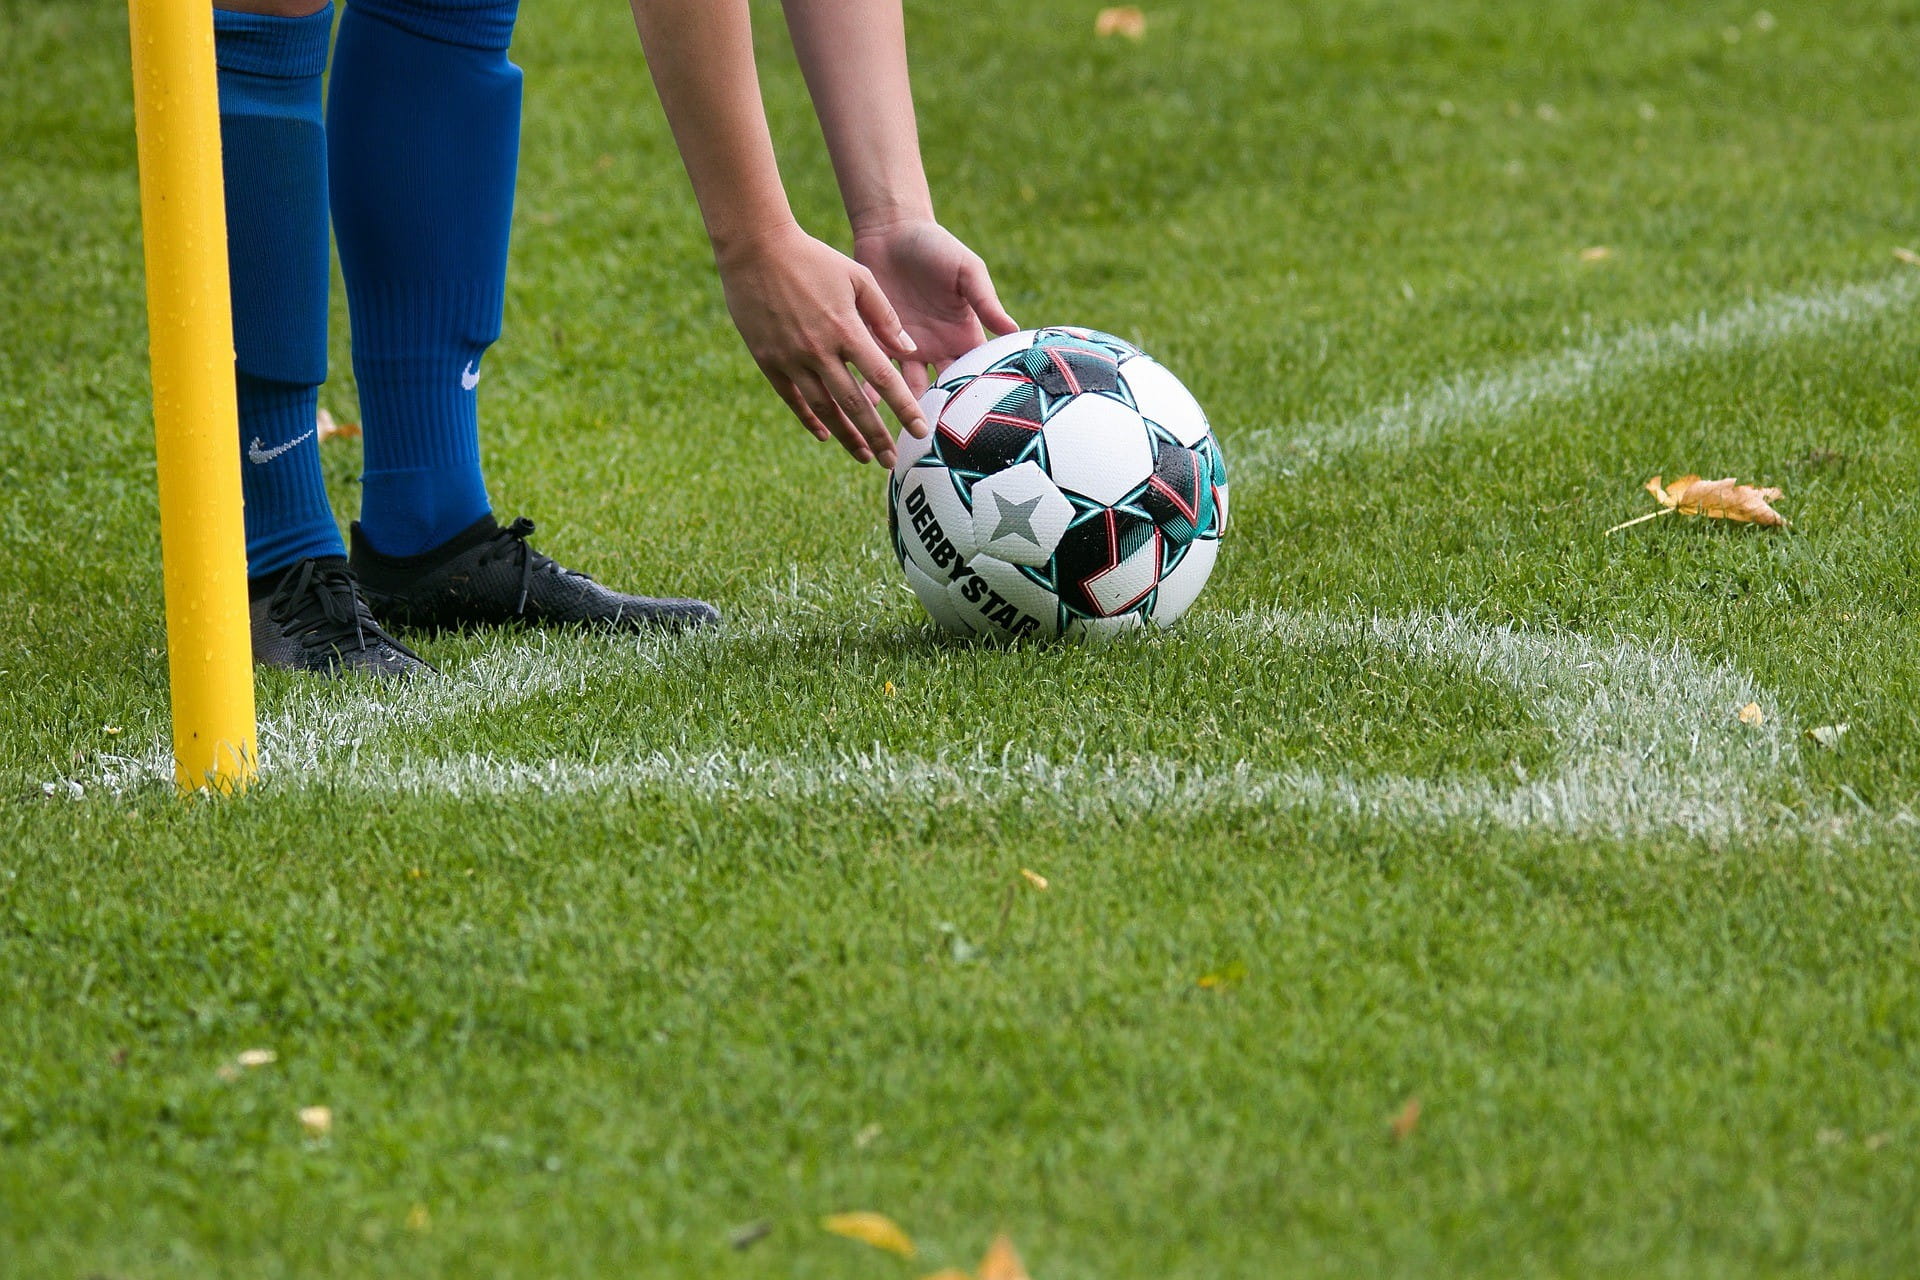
881,318
977,286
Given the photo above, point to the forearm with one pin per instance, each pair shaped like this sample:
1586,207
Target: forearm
854,55
701,55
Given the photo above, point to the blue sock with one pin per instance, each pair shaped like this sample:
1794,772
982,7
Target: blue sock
423,124
274,151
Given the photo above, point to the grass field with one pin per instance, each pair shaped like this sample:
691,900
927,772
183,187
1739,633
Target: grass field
601,950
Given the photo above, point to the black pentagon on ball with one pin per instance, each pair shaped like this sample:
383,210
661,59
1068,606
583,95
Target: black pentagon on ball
1069,367
1178,496
1092,546
999,440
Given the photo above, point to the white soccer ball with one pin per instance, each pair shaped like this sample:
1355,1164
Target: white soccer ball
1070,486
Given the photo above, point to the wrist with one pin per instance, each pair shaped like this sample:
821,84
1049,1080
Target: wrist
884,219
732,244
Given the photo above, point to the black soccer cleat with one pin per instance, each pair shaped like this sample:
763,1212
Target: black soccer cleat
487,575
315,620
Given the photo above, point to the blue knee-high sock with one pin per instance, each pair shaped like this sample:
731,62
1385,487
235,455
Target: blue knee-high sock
274,151
423,124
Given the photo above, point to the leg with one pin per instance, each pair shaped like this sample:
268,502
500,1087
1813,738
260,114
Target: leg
274,154
423,122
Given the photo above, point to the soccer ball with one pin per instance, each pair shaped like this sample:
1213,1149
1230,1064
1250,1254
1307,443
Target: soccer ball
1070,487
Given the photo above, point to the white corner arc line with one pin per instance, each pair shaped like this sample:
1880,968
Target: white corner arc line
1645,739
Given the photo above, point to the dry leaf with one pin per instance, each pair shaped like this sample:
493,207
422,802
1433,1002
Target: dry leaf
875,1229
1221,979
1907,256
1828,735
1405,1120
868,1136
418,1220
1595,253
256,1057
1034,878
1752,714
1715,499
1002,1262
317,1121
325,428
947,1273
1126,21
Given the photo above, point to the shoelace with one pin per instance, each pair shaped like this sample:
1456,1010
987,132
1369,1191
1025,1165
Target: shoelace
322,603
512,541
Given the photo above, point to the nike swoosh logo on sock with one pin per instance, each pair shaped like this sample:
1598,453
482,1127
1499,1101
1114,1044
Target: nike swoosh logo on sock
469,377
256,454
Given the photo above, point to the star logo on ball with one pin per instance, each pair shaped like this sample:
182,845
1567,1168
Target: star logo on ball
1013,517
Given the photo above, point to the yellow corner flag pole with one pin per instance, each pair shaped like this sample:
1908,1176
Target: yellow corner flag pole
196,425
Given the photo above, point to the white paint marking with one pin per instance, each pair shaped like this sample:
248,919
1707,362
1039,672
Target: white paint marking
1645,736
1646,739
1480,398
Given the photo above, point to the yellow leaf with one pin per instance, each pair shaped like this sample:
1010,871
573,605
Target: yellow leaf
1752,714
889,689
1002,1262
417,1219
1907,256
1405,1120
875,1229
1125,21
947,1273
1595,253
317,1121
1221,979
1715,499
1034,878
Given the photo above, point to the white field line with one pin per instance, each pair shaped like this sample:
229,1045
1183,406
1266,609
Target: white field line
1557,377
1645,739
1642,732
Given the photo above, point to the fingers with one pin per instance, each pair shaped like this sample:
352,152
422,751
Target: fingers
881,317
825,407
977,287
861,412
801,409
917,379
887,380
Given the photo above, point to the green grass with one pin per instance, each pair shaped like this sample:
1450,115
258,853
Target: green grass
719,932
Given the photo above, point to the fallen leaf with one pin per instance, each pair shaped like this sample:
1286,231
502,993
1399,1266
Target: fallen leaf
875,1229
325,428
1907,256
1715,499
1830,1137
947,1273
317,1121
418,1220
1002,1261
890,690
1034,878
1405,1120
744,1238
1875,1141
867,1136
1228,976
1595,253
1125,21
1752,714
256,1057
1828,735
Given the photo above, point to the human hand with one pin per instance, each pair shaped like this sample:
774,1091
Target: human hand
939,287
807,312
